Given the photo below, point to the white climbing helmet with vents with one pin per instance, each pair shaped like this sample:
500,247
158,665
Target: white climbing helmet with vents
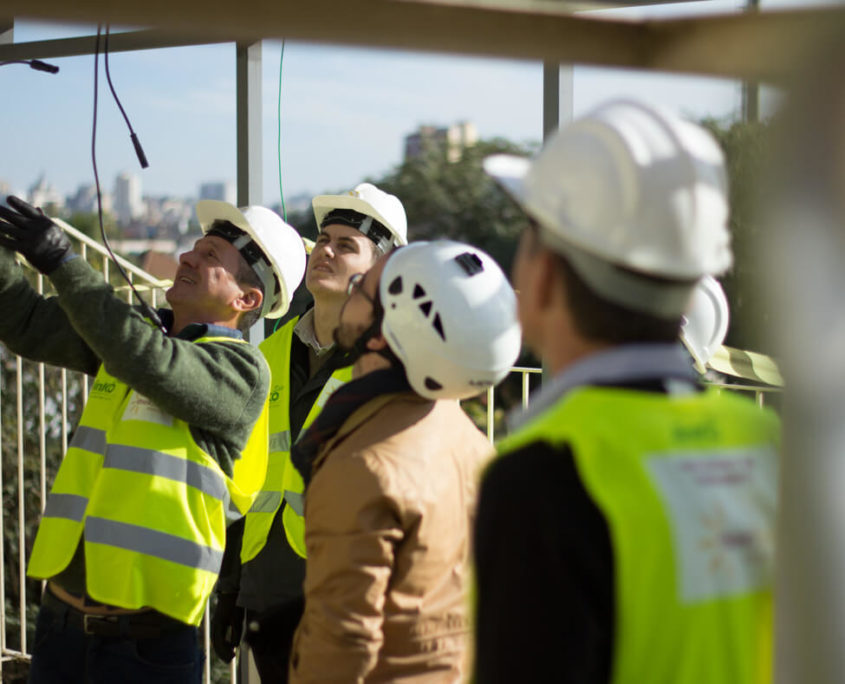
450,318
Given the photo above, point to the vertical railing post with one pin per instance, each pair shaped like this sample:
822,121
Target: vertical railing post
249,176
21,525
248,94
491,415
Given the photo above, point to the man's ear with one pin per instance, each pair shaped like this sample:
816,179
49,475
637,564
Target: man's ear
249,299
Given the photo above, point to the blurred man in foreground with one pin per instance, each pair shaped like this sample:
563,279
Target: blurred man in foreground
625,533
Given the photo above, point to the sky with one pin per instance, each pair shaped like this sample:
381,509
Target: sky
344,111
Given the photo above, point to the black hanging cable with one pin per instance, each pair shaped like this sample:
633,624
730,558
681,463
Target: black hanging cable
148,310
139,151
36,64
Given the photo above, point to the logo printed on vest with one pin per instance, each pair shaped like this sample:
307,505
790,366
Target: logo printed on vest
103,387
276,392
141,408
719,507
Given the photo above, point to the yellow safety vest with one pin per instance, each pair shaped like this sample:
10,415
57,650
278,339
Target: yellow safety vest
283,480
153,505
688,488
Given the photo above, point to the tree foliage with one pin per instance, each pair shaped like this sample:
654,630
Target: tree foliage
747,151
457,200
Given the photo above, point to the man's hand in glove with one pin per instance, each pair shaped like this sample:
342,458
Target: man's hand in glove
25,229
227,625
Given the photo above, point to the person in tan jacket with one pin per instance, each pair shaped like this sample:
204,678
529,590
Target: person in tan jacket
391,466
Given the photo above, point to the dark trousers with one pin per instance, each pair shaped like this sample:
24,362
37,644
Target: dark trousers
64,653
270,636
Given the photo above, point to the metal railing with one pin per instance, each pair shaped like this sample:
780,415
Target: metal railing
40,404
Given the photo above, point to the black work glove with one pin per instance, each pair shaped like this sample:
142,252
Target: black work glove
25,229
227,626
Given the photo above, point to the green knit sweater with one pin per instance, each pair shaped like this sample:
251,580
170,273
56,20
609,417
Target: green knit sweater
218,388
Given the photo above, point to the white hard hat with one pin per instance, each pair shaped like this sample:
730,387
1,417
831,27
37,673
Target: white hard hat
368,200
450,318
632,187
279,242
705,325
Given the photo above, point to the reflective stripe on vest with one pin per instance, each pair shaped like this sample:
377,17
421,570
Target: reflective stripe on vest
687,486
69,506
149,542
283,482
153,505
90,439
150,462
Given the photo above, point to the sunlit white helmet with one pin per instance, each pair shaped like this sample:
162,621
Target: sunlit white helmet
450,318
705,325
377,214
628,186
271,247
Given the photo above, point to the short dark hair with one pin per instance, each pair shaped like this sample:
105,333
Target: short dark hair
246,277
600,320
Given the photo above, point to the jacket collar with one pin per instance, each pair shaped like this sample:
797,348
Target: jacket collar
193,331
360,416
618,365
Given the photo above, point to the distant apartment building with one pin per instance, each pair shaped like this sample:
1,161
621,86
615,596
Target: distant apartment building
42,194
84,201
128,205
218,190
173,213
453,140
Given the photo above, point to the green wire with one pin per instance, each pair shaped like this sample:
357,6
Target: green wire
279,146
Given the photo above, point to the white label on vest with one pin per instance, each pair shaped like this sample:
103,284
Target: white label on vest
141,408
721,508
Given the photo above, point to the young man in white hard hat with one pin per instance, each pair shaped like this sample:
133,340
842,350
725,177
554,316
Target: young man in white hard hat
354,230
391,467
172,441
625,532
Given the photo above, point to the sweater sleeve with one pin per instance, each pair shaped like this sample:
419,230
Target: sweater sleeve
36,327
544,572
216,387
352,528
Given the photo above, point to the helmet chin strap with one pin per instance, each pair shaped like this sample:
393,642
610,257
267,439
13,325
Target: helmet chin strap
359,348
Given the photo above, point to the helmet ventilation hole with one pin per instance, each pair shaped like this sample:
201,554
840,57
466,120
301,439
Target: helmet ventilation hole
395,286
432,384
438,326
425,307
418,292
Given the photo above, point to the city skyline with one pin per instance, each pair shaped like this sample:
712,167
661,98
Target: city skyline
127,202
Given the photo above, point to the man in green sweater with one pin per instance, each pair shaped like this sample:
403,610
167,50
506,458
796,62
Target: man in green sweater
171,444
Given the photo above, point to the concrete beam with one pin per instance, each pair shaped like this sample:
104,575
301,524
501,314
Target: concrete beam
765,46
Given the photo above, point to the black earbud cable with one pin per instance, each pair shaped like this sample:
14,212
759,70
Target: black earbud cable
148,310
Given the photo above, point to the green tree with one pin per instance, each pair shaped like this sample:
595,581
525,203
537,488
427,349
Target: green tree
457,200
747,152
88,223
